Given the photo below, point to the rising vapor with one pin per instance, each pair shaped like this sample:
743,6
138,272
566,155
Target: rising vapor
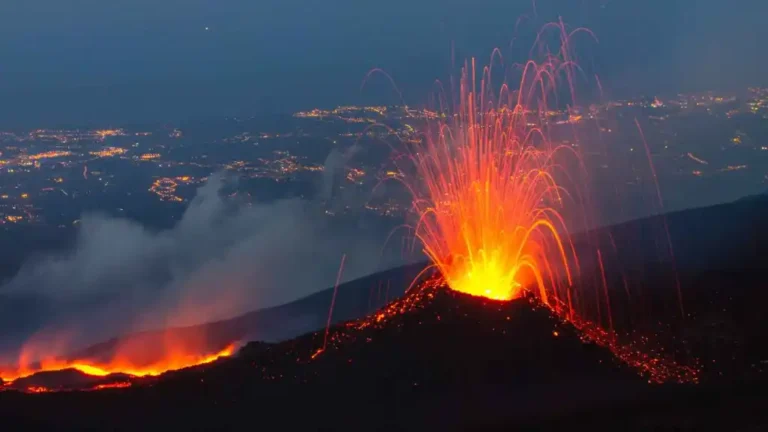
223,258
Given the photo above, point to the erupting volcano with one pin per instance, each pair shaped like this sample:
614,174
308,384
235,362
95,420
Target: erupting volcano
487,190
495,197
489,221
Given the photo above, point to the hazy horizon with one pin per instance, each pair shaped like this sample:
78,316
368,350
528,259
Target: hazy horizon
86,62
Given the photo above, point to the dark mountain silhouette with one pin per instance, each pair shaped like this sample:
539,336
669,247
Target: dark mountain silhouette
354,299
729,237
449,361
446,362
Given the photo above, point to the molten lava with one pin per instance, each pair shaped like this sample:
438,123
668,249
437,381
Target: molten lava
121,365
138,354
487,193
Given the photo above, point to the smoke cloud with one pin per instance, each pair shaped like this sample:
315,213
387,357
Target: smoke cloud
223,258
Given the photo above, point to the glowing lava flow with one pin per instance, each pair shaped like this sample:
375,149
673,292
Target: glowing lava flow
487,193
121,366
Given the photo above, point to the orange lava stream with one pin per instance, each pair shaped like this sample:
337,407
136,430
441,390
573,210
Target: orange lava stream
121,384
123,366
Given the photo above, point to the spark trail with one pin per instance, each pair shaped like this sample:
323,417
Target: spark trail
495,196
488,193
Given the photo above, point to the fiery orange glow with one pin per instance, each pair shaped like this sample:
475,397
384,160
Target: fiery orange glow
495,197
487,194
37,389
119,384
140,354
174,360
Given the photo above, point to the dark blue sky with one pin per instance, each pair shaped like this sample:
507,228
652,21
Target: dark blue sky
83,61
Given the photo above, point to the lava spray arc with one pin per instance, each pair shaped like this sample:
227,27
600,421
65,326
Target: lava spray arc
489,192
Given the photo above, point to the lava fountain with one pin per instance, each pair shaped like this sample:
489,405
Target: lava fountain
487,191
494,196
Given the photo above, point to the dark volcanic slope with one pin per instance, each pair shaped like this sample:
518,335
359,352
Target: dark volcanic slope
710,244
448,362
721,237
354,299
449,359
458,361
720,240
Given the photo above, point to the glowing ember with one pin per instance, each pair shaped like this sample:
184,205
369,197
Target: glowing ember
37,389
119,384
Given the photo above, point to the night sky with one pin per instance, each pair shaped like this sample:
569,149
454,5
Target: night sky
95,61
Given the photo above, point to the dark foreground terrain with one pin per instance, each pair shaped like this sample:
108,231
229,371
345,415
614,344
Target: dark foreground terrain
436,360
